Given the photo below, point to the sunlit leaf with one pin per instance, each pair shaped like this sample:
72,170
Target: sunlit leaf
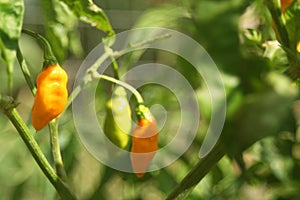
61,29
11,19
90,13
167,16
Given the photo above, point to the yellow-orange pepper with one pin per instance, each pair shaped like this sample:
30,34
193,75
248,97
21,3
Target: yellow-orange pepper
51,96
285,4
144,144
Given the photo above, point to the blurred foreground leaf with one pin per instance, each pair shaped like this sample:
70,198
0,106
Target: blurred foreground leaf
11,20
166,16
292,16
262,114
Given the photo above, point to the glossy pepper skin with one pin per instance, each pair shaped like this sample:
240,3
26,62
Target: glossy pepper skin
144,144
51,95
117,125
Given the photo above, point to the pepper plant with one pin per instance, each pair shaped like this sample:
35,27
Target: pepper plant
256,46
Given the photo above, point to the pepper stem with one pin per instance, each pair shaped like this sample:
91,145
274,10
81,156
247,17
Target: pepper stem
143,112
55,149
7,106
49,58
25,71
136,94
115,65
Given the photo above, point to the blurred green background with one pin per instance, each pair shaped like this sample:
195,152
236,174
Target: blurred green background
260,134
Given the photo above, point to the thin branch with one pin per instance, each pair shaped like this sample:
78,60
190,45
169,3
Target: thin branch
55,149
197,173
7,106
86,79
115,65
279,20
49,58
136,94
113,55
140,44
25,71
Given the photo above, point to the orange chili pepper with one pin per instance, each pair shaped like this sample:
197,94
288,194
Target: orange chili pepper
285,4
144,144
51,96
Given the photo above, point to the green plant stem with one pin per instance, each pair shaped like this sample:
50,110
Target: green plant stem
136,94
279,20
72,96
25,71
55,149
98,62
115,66
93,70
49,58
8,108
141,44
9,68
10,79
109,53
197,173
87,78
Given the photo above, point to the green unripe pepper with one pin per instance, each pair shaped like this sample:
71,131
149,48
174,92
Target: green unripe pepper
117,123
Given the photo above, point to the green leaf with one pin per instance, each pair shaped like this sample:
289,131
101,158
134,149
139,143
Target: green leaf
280,165
164,16
262,114
167,16
276,55
11,19
61,29
234,96
292,16
90,13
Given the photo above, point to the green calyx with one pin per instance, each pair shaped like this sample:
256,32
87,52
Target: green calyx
49,58
143,112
